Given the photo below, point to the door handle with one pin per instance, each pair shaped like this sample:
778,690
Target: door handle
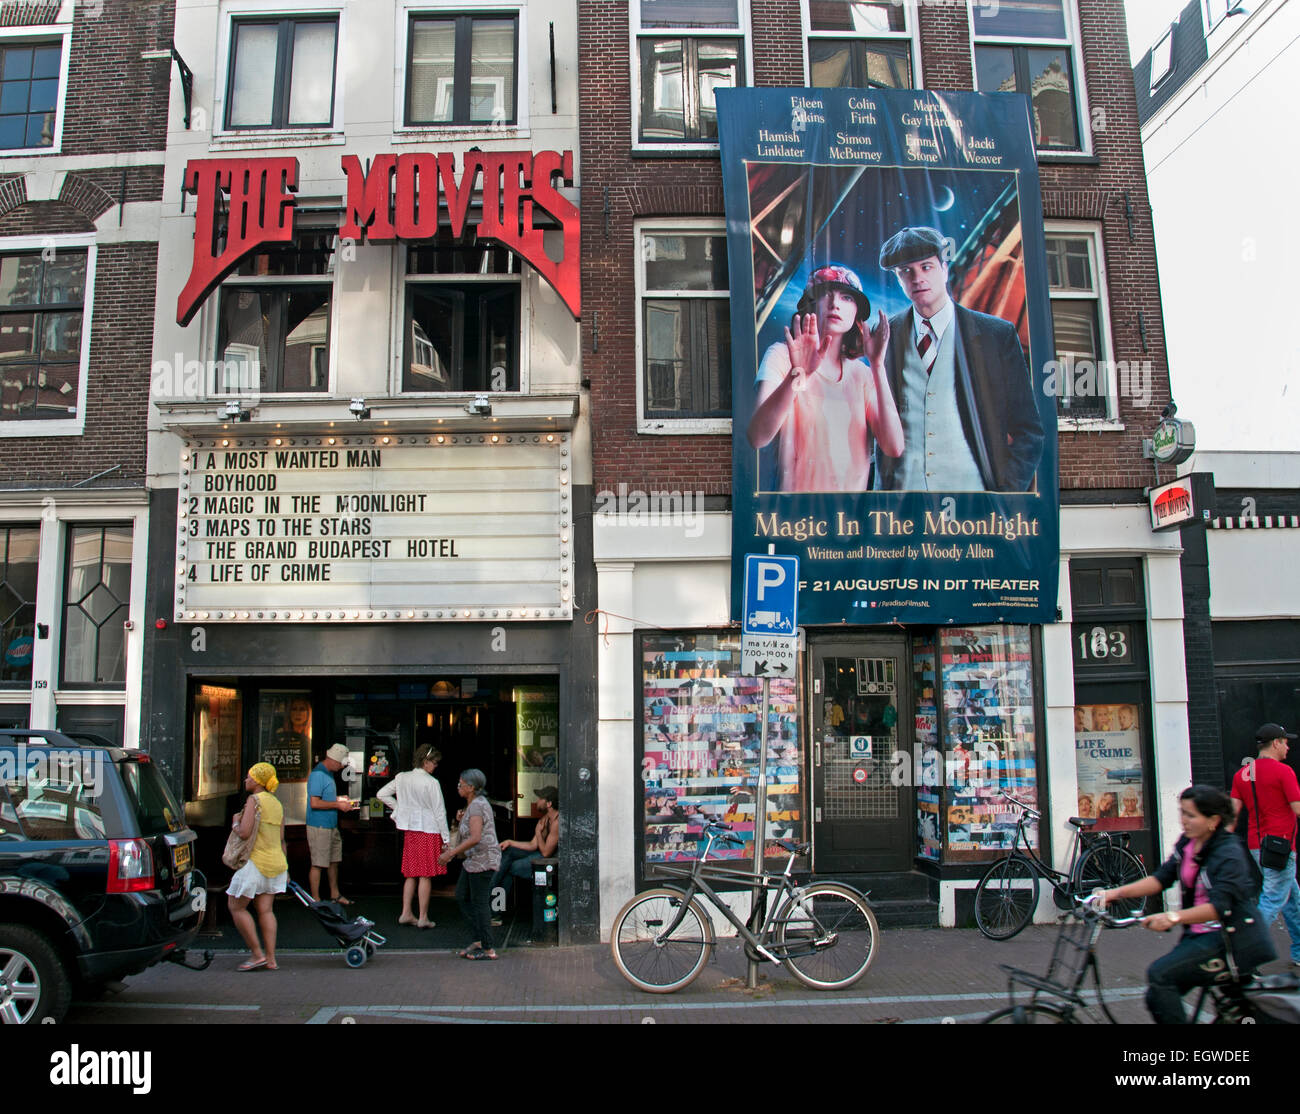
817,753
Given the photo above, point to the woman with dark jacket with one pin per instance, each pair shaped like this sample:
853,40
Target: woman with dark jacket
1220,883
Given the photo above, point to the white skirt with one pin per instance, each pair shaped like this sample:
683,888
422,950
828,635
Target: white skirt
248,881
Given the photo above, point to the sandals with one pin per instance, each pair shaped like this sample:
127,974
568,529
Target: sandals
470,952
481,954
252,965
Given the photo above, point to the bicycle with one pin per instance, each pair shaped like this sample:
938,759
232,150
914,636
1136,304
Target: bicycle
1007,895
824,933
1057,998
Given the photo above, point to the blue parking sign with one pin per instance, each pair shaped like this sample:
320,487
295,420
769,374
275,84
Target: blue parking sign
771,594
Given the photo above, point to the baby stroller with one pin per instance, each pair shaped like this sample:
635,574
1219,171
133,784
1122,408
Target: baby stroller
352,933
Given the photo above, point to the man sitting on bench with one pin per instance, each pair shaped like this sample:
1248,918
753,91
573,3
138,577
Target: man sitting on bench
517,858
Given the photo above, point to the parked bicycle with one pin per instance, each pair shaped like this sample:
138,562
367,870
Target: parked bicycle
1007,895
1058,997
824,933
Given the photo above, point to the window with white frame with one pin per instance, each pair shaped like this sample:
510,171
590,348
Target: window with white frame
1218,10
281,72
1076,279
1029,46
1162,58
462,69
45,296
683,327
32,84
683,51
96,602
859,45
462,315
19,552
273,319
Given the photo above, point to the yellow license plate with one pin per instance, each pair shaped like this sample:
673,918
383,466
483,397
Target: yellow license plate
181,857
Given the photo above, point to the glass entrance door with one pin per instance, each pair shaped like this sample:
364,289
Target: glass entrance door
862,820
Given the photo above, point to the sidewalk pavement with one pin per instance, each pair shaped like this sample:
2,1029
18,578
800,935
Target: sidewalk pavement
919,976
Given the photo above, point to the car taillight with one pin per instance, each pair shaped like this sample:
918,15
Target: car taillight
130,866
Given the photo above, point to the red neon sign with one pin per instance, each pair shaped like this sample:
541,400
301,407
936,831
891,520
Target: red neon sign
399,199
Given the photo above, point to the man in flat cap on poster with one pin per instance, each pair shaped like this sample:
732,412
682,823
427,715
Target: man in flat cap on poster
964,394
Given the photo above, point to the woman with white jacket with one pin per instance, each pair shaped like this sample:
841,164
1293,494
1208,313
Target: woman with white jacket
418,810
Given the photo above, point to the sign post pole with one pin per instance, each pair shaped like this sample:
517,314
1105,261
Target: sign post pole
760,824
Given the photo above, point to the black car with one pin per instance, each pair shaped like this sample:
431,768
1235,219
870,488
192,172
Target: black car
96,870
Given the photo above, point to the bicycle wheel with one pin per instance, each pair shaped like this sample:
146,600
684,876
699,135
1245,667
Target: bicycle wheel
1109,868
827,936
667,965
1006,897
1035,1014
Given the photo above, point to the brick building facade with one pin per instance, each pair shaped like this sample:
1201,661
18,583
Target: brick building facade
80,190
1119,580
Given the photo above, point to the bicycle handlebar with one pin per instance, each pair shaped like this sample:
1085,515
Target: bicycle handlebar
1021,804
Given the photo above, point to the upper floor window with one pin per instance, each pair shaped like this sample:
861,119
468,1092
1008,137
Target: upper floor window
859,45
44,334
273,327
1027,46
96,601
282,73
1080,323
684,50
683,329
29,93
461,328
462,69
1162,58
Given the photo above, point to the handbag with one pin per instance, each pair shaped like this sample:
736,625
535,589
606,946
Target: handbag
1274,851
239,849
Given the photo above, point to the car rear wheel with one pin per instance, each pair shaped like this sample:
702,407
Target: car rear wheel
33,982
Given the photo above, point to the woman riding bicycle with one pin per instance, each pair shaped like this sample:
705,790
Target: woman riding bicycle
1219,883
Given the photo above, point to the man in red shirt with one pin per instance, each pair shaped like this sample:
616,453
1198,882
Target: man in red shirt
1273,782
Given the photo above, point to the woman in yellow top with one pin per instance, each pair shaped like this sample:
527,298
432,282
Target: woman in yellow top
267,871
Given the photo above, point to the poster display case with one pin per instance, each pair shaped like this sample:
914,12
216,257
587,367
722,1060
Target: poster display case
219,735
284,730
701,726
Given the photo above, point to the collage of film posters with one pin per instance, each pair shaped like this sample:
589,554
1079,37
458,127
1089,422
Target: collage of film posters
929,786
701,727
989,736
1108,759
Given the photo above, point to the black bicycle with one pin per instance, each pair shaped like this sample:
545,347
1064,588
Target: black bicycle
1007,895
824,933
1058,997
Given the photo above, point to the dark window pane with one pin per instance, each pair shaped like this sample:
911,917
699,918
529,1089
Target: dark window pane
60,336
97,586
13,96
44,96
40,130
13,132
307,341
830,64
242,340
20,280
888,67
462,337
64,281
54,804
18,336
689,13
663,96
308,253
847,15
1122,587
688,358
675,261
1085,588
1020,19
18,553
17,63
719,68
1052,89
995,69
46,61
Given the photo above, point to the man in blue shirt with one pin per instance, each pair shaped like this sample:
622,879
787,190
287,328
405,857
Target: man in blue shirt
323,808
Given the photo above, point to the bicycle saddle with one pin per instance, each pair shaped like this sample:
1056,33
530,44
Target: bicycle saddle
793,848
1082,822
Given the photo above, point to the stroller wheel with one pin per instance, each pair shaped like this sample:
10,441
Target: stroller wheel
355,956
370,950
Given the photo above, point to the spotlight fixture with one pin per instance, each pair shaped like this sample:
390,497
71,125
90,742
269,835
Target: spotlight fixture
359,409
233,411
482,406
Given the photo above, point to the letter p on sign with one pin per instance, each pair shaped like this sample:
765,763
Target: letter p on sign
771,589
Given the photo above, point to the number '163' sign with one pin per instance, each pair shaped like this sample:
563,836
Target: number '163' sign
1103,644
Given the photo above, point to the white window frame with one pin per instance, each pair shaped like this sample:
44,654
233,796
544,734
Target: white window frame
636,33
1083,116
413,133
1163,55
59,427
211,328
1092,233
233,11
908,35
44,33
685,226
400,280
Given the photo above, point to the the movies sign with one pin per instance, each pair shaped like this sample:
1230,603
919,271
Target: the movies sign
393,197
1172,505
894,424
375,528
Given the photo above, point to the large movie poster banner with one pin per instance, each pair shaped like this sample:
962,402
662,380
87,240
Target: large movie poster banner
894,424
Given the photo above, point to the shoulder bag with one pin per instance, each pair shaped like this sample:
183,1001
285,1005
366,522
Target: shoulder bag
239,849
